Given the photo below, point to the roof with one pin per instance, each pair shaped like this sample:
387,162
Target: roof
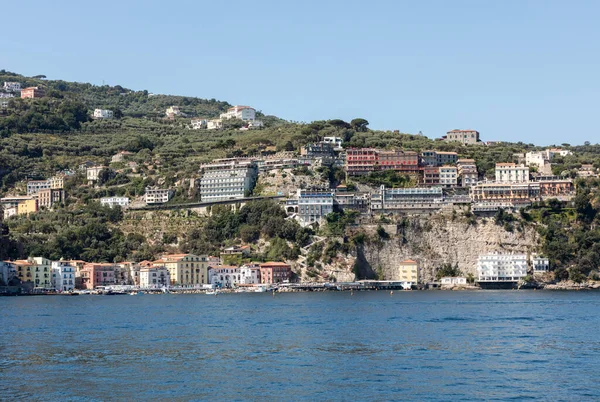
22,262
171,257
506,164
272,264
409,261
446,153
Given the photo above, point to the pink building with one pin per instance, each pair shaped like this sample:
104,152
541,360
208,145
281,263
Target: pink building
95,274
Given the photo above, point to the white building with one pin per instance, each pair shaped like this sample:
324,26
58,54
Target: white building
103,114
114,201
10,211
313,205
239,112
539,263
227,179
540,161
173,111
250,274
154,277
157,195
215,124
92,173
7,272
467,171
453,280
448,176
552,152
34,186
12,86
63,276
4,95
336,142
501,267
199,124
511,173
224,276
252,125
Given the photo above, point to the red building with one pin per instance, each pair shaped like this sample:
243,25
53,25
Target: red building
94,274
366,160
32,92
275,272
361,160
431,176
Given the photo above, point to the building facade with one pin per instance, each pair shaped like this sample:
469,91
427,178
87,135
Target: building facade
239,112
97,274
157,195
103,114
111,202
408,271
63,276
49,197
313,205
448,176
250,274
34,186
225,276
418,198
185,269
275,272
154,278
511,173
501,267
32,92
12,86
227,179
464,136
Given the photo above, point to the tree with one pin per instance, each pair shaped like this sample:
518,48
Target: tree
339,123
359,124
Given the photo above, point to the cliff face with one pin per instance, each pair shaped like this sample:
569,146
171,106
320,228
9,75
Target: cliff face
436,240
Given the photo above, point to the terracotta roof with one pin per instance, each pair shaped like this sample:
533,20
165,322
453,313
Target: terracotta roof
408,262
272,264
506,164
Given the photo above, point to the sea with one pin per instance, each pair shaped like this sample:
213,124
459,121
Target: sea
329,346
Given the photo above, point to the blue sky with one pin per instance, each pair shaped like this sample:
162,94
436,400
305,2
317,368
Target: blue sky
522,70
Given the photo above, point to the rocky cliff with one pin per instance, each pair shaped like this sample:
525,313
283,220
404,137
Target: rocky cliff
436,240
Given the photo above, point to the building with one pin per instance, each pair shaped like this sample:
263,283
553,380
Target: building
540,264
63,276
318,150
34,186
467,172
32,92
173,111
10,211
275,272
239,112
12,86
366,160
250,274
227,179
453,280
57,182
214,124
357,201
199,124
464,136
154,278
501,267
516,193
448,176
120,156
224,276
587,170
96,274
49,197
157,195
553,152
561,189
445,158
102,114
93,172
431,176
252,125
511,173
390,199
336,142
23,270
408,271
27,207
313,205
539,161
111,202
360,161
185,269
7,272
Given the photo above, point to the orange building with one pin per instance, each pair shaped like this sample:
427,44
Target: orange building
32,92
275,272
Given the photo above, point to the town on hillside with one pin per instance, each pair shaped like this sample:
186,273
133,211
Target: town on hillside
321,179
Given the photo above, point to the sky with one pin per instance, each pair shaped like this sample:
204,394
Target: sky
515,70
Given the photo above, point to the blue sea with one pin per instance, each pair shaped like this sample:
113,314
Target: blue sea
375,346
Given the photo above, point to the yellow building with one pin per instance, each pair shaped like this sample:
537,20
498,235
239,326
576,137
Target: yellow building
408,271
185,269
23,270
36,270
57,182
27,207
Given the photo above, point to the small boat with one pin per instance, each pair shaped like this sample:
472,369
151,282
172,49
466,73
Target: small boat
138,293
212,292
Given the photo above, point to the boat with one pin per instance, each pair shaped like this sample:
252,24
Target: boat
212,292
134,293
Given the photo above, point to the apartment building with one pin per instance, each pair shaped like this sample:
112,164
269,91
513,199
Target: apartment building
408,271
501,267
57,182
154,278
199,124
562,189
448,176
97,274
93,172
250,274
511,173
8,271
225,276
403,161
519,193
173,111
275,272
103,114
540,264
227,179
12,86
34,186
313,205
27,207
111,202
49,197
155,195
390,199
239,112
336,142
63,276
431,176
33,92
464,136
185,269
214,124
467,172
318,150
360,161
